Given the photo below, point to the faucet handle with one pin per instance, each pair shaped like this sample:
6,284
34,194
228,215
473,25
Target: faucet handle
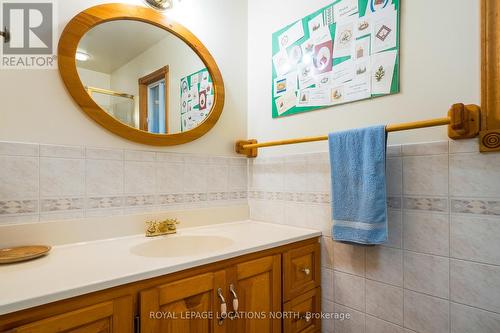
151,227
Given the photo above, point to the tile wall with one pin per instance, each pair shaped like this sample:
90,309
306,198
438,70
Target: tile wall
47,182
440,270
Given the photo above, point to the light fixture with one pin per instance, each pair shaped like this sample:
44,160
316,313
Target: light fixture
82,56
160,4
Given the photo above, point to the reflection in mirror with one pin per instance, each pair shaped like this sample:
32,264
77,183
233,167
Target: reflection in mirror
145,77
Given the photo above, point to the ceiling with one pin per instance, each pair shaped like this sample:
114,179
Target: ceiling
113,44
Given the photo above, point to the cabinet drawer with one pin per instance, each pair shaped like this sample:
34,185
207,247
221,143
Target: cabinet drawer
307,303
302,270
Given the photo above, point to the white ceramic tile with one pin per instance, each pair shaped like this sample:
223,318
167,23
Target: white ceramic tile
241,161
62,177
475,284
426,233
465,319
139,155
103,212
375,325
475,238
217,178
349,258
394,150
237,178
104,154
318,172
426,314
62,151
18,149
385,264
57,216
464,146
327,284
425,175
296,214
327,323
170,177
429,148
427,274
104,177
140,177
267,211
18,177
384,301
475,175
319,217
355,323
267,174
195,180
394,176
296,174
395,229
18,219
327,252
349,290
169,157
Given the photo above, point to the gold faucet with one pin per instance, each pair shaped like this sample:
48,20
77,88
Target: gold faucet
159,228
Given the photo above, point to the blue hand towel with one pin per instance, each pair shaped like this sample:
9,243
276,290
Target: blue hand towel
359,199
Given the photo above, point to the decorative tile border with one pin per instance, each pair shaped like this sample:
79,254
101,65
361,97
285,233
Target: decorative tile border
11,207
104,202
62,204
303,197
429,204
473,206
394,203
140,200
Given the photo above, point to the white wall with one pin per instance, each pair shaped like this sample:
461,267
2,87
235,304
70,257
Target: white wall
36,107
440,65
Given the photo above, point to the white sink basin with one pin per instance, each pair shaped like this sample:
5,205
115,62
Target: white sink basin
180,246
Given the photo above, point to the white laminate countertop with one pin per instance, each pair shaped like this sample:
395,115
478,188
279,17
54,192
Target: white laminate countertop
77,269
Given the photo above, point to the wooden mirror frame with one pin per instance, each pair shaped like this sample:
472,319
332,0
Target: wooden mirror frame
489,137
91,17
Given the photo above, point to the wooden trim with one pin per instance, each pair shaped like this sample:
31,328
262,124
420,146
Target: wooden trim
23,317
89,18
490,76
144,82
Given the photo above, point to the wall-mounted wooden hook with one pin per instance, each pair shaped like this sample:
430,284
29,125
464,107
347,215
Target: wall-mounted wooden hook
465,121
248,152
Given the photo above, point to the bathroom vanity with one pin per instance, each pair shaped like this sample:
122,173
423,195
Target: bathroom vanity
233,277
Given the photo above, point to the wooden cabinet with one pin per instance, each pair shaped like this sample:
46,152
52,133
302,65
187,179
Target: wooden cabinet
115,316
303,307
252,291
258,290
183,306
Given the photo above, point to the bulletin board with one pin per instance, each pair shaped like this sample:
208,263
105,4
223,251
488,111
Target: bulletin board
197,99
345,52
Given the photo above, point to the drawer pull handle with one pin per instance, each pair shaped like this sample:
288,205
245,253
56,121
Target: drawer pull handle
223,307
306,271
232,315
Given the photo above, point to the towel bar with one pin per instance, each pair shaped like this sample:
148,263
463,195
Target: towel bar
463,122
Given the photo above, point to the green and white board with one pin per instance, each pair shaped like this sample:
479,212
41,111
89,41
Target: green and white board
345,52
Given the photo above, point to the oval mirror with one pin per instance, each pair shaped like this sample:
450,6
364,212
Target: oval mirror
140,75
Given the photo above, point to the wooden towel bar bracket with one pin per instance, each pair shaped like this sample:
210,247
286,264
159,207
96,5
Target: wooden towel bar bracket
464,121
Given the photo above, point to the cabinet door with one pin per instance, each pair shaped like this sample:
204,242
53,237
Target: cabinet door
109,317
258,289
174,307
